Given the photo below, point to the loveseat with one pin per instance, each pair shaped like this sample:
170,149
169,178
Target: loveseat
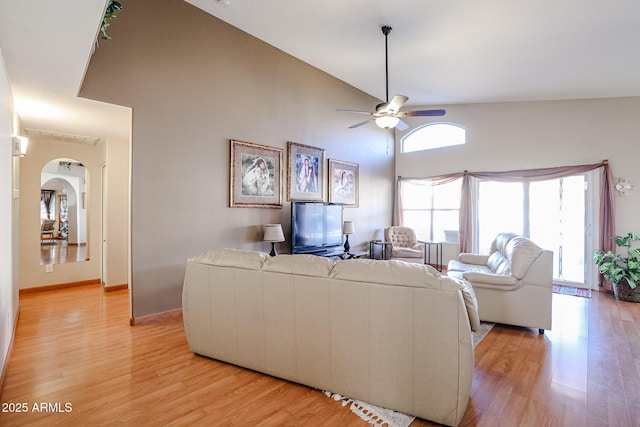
513,284
390,333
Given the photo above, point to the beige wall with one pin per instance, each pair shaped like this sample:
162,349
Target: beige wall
41,151
117,213
194,83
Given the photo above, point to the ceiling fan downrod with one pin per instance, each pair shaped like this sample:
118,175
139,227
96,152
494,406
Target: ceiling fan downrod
386,30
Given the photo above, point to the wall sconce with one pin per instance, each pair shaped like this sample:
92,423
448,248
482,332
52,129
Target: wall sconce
348,228
273,233
624,186
19,145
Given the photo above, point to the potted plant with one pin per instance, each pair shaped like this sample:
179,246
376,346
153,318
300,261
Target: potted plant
623,271
109,14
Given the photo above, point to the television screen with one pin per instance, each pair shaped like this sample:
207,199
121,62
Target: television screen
315,227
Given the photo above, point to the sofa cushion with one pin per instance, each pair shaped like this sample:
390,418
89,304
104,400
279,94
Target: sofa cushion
455,265
470,302
522,252
468,258
304,265
397,273
499,264
399,252
250,260
500,242
496,281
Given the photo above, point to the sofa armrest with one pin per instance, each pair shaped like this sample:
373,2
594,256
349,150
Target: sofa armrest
490,279
476,259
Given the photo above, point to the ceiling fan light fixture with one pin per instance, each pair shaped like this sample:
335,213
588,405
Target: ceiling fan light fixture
387,114
387,122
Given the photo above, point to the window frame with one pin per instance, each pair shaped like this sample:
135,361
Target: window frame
433,145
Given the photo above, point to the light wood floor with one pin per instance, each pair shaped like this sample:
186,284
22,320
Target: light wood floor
60,252
75,346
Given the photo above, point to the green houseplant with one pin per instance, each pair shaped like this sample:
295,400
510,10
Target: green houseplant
109,14
623,270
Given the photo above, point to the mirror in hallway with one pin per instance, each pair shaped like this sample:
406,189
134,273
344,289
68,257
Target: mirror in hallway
63,214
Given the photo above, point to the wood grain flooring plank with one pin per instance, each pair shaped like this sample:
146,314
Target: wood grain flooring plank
75,345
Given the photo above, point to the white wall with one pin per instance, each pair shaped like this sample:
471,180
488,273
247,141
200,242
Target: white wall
9,219
526,135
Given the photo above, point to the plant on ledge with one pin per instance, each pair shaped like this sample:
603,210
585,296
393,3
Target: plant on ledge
622,271
109,13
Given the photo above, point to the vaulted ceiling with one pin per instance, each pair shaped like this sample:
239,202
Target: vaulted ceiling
440,52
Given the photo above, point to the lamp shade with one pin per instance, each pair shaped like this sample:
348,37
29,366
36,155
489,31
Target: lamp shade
273,233
387,122
349,228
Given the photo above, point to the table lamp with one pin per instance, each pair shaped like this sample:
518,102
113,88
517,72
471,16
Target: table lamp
273,233
348,228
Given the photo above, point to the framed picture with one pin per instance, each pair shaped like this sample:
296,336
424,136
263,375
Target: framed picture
305,174
256,176
343,183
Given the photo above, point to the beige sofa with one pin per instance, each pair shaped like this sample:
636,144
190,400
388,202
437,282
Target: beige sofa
389,333
513,284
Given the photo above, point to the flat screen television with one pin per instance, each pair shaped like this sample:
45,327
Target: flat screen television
315,227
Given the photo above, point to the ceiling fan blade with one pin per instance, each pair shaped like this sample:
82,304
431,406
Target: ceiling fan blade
422,113
397,102
402,125
354,111
357,125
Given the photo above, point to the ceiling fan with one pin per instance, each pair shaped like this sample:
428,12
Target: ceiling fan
388,114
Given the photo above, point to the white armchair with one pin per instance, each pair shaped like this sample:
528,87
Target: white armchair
404,245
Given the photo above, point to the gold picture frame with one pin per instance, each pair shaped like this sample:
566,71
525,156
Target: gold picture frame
255,176
343,183
305,173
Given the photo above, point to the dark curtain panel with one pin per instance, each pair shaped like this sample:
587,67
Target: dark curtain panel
47,197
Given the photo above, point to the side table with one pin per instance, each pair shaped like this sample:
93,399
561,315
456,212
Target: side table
383,246
438,254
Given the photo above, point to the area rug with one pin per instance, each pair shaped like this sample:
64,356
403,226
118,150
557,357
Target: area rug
377,416
568,290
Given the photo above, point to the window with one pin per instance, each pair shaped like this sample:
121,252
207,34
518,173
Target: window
433,135
432,210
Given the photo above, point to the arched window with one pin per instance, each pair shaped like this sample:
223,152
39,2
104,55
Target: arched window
433,135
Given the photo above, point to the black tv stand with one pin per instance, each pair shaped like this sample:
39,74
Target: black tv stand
337,253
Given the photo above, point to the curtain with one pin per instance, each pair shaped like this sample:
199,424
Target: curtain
607,219
466,215
607,201
47,197
397,218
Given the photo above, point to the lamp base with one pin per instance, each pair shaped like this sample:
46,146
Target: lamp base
273,249
346,244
